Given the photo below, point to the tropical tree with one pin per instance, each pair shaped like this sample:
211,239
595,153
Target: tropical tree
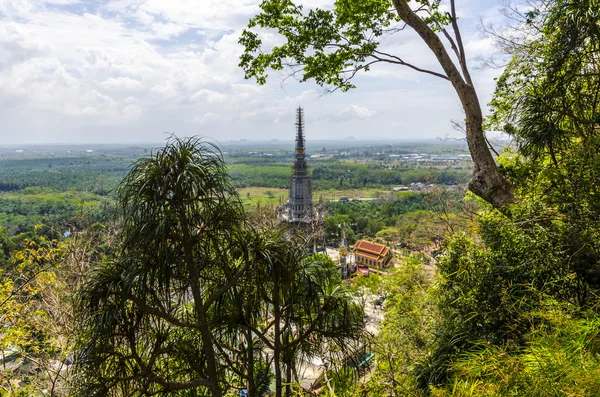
313,315
290,311
515,277
36,308
547,99
147,314
407,331
332,45
25,338
195,296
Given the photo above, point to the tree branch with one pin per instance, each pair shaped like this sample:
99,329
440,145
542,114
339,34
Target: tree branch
397,60
27,281
161,314
445,32
462,59
215,295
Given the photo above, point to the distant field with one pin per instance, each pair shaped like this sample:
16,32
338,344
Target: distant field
335,194
21,210
251,196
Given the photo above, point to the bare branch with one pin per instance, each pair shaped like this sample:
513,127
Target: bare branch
397,60
490,145
462,59
451,138
458,126
445,32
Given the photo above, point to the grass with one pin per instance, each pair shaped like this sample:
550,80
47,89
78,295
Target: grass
560,358
251,196
335,194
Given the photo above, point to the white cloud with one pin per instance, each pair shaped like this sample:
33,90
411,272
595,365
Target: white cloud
307,95
131,69
208,96
206,118
349,113
358,112
477,47
124,83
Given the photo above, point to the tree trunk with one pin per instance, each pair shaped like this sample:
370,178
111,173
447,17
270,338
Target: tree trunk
288,377
205,333
250,363
289,360
487,182
211,362
277,338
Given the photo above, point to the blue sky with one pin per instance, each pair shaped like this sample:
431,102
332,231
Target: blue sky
75,71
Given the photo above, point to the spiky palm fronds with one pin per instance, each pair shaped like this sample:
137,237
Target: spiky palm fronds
146,328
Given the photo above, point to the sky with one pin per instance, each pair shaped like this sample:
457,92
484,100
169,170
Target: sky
127,71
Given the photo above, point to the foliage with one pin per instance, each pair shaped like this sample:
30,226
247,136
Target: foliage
180,220
552,86
547,97
99,174
559,357
32,270
342,175
553,83
496,286
323,42
62,210
37,310
6,246
406,333
192,295
419,220
490,288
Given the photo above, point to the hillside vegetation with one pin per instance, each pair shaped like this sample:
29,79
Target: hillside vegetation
165,284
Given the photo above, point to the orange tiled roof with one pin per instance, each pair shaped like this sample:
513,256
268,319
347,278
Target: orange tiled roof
371,250
370,247
368,255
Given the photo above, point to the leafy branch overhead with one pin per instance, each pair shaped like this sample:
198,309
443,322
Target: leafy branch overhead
332,45
329,46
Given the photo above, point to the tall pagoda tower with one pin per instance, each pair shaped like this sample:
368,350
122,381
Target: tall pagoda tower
300,201
300,212
299,208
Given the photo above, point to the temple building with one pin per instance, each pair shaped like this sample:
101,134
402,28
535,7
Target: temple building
371,254
300,209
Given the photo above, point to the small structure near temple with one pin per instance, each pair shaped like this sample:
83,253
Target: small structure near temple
346,268
371,254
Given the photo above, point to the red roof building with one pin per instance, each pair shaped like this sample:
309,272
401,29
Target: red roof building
372,254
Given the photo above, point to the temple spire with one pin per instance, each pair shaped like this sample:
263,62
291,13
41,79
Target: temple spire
300,132
300,208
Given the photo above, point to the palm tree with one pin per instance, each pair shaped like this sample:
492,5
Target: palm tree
308,310
147,326
195,295
289,310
